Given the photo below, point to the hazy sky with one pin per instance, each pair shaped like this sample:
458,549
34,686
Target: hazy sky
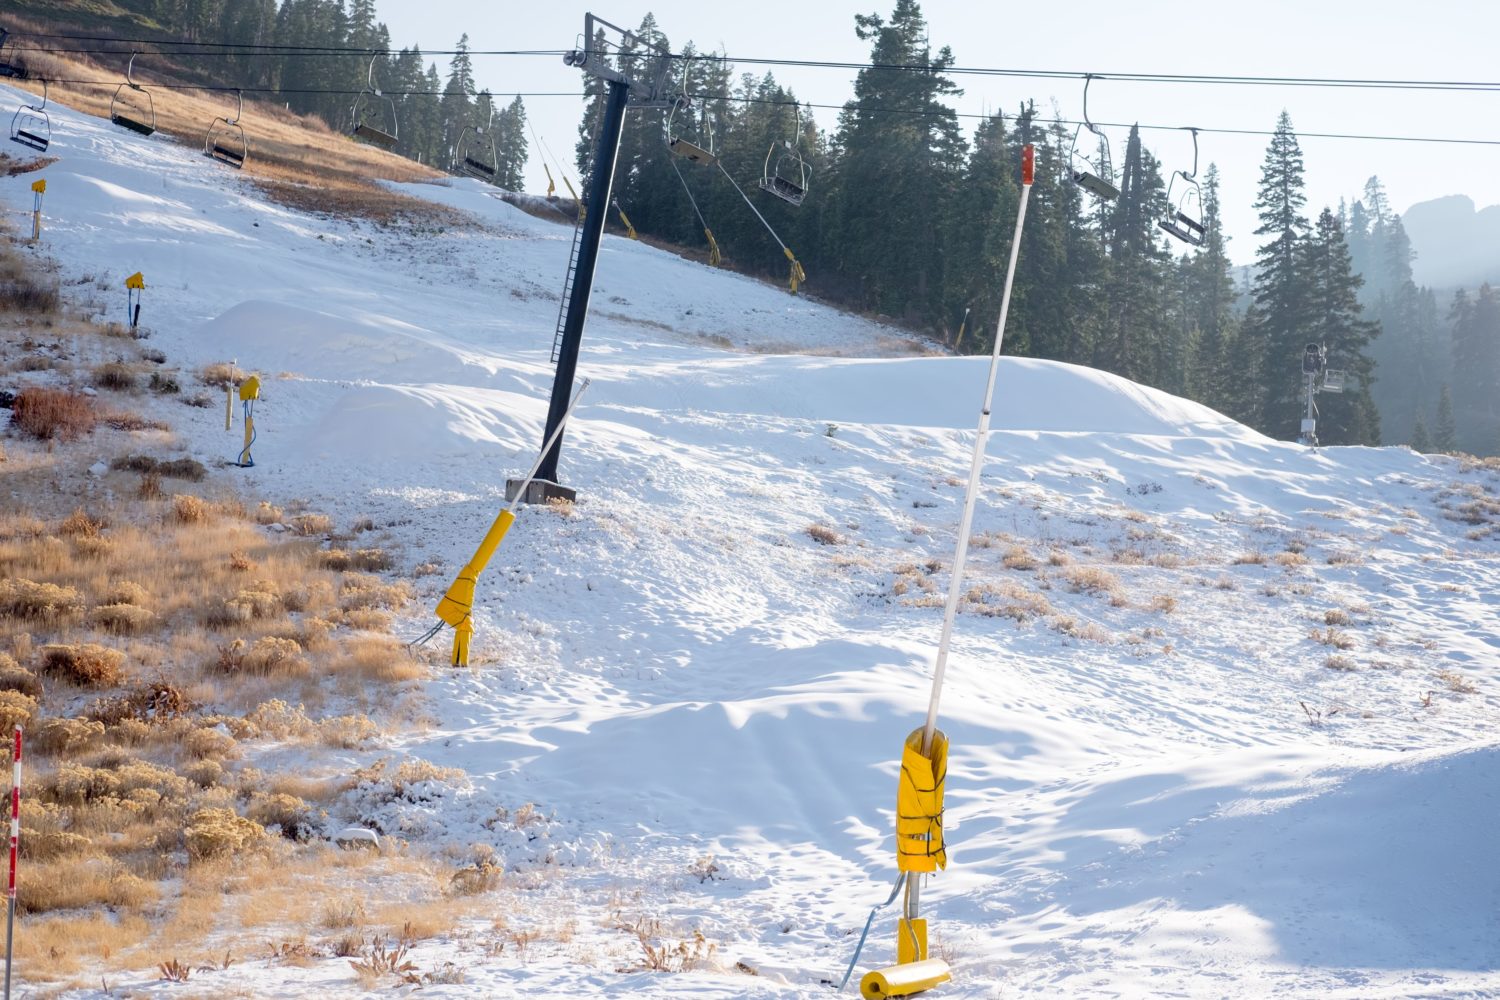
1381,39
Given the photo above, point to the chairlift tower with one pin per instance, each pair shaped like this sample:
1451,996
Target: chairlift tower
636,83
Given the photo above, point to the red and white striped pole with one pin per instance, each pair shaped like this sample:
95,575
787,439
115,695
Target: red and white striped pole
15,844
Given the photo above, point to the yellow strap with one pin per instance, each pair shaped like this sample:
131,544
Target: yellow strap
714,257
551,187
629,229
798,276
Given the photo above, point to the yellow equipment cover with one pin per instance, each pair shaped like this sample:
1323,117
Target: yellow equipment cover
919,805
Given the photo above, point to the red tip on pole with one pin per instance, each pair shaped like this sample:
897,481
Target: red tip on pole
1028,163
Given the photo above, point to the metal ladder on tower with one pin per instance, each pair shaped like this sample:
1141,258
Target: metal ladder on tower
567,292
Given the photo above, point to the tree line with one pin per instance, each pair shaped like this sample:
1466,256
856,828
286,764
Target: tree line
431,110
909,218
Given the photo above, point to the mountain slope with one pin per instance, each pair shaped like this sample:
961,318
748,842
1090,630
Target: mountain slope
1219,705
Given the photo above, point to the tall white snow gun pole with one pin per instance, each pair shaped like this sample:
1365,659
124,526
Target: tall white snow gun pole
924,760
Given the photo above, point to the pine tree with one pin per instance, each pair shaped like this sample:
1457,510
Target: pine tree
1476,370
1209,287
1275,327
1334,320
511,146
1447,431
456,107
900,173
1420,442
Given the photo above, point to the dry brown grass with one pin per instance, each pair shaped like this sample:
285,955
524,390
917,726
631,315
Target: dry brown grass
824,535
296,160
53,414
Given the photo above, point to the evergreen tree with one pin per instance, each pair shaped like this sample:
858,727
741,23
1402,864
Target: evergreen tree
1476,370
456,108
1274,329
511,146
1447,431
899,172
1209,287
1334,320
1420,442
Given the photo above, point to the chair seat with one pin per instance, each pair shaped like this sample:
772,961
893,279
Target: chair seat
133,125
36,142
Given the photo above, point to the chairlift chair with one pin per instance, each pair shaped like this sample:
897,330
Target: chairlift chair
1184,218
1333,380
677,144
478,155
1093,175
225,139
374,114
7,68
32,126
786,172
137,113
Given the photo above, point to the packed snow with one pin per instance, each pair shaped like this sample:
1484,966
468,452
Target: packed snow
1160,783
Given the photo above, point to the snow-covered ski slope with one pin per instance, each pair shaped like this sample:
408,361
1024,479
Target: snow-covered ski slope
1161,784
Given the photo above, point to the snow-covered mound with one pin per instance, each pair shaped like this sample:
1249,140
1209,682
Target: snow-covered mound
1221,708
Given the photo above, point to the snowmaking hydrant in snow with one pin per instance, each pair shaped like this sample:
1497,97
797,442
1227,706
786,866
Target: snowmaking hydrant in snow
135,286
920,847
249,393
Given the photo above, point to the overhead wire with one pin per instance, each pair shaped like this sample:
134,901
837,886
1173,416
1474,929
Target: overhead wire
225,49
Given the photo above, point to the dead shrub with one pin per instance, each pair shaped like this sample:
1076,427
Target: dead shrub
16,709
95,885
188,509
150,488
83,664
115,376
220,376
267,656
358,591
1456,682
1336,616
363,560
1164,604
824,535
214,833
268,514
81,524
378,659
1290,560
1091,580
347,732
58,737
149,703
286,814
207,742
1017,558
1336,661
43,603
14,677
1333,637
478,878
19,293
312,524
189,469
127,592
122,619
1255,558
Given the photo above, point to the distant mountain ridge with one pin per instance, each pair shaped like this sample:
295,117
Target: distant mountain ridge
1455,243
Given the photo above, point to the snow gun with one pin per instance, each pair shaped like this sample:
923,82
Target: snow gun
457,605
920,849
